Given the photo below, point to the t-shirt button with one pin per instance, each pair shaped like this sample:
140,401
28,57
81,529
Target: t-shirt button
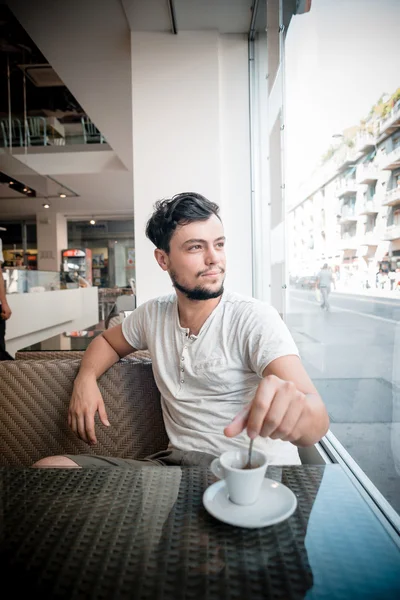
183,358
182,381
182,370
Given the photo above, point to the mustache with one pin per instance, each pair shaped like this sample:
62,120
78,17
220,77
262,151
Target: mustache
220,269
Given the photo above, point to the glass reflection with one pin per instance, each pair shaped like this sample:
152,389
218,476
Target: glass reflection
342,196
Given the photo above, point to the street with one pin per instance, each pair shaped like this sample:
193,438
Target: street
352,353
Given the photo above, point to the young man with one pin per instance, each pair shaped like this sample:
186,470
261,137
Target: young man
226,366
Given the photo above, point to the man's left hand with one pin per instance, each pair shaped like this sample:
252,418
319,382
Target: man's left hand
279,411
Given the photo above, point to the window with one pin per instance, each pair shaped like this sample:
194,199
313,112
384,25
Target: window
352,352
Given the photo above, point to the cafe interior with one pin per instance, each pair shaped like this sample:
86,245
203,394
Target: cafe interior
106,107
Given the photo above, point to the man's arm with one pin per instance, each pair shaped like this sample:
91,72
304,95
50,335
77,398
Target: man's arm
5,309
286,406
86,400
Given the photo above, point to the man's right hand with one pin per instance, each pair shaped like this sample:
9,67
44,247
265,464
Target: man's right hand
86,400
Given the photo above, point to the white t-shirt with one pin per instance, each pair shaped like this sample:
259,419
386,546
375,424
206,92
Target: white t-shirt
205,380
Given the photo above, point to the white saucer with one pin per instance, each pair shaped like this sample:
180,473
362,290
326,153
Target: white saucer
275,504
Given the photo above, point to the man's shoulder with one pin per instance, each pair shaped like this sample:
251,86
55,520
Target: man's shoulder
162,302
248,304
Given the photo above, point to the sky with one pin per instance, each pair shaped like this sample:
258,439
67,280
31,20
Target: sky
340,58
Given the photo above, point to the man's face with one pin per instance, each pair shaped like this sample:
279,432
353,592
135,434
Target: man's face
196,262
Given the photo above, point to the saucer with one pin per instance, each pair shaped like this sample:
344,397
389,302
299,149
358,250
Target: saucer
275,504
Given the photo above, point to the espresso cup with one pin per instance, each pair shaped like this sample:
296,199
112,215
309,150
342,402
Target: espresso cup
243,485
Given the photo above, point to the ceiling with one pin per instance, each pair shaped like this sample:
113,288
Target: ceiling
91,193
225,16
17,49
84,190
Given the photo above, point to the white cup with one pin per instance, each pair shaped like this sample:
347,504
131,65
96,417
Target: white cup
243,485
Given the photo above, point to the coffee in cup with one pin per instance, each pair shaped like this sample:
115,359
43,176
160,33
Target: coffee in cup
243,484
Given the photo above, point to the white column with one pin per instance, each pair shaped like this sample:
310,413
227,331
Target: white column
190,133
52,238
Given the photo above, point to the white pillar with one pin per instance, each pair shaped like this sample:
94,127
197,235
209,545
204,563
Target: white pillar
190,133
52,238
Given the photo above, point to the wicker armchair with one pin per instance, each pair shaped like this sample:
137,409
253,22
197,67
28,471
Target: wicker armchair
34,400
138,355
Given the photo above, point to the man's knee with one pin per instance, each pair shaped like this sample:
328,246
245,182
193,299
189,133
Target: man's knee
56,462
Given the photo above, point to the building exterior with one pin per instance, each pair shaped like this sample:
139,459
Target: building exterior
350,216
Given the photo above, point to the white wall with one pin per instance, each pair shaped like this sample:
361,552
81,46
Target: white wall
190,124
36,317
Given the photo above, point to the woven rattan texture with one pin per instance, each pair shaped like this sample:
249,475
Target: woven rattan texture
34,400
144,534
142,355
49,355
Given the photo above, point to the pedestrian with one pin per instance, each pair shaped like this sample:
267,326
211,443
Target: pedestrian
324,281
392,279
19,262
225,364
5,311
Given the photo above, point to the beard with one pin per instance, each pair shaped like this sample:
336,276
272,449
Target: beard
197,292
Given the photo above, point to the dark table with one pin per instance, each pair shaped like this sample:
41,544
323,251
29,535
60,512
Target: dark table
144,533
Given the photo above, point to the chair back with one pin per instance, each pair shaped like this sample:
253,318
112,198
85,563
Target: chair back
125,303
17,137
34,401
90,132
37,130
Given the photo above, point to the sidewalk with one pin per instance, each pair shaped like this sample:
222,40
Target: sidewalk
371,292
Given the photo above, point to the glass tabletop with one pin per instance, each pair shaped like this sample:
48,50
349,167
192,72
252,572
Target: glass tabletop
144,533
68,340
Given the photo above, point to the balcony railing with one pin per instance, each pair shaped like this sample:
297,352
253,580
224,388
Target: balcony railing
391,197
348,242
348,214
391,160
391,120
367,173
392,232
47,131
364,141
345,156
369,207
346,187
370,238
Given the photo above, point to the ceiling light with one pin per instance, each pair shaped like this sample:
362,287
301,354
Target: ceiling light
92,222
63,195
46,205
17,186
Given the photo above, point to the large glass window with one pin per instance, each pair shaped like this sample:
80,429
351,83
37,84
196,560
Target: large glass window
342,204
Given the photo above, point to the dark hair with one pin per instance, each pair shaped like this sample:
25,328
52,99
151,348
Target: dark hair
179,210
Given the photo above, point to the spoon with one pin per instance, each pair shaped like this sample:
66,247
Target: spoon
248,464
